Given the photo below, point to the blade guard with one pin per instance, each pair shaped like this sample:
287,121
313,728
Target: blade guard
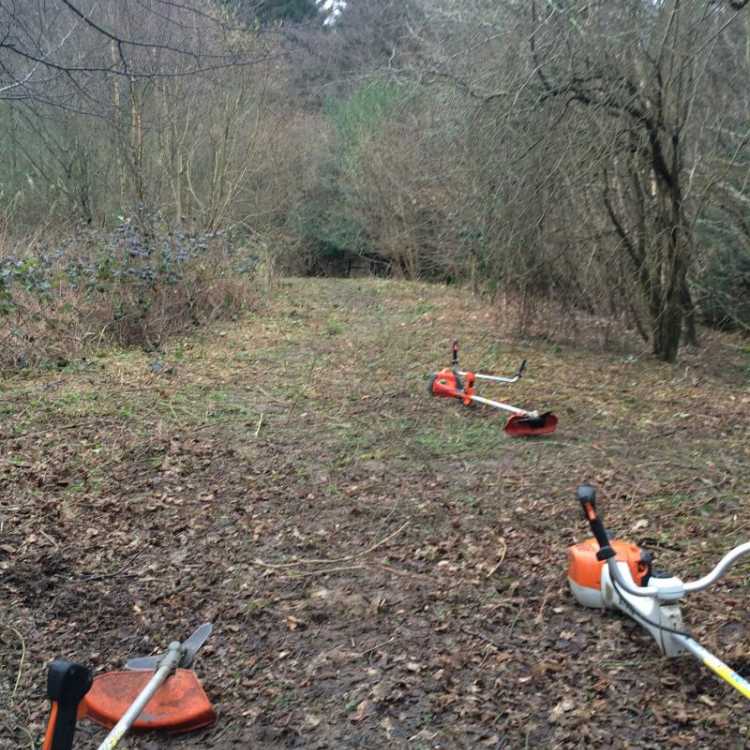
524,425
448,384
179,705
585,570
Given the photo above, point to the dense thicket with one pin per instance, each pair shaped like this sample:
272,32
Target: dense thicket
588,155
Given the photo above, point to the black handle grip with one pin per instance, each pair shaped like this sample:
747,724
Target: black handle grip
454,351
67,683
586,495
521,369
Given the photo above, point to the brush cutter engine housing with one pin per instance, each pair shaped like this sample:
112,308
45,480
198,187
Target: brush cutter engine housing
604,572
585,569
449,384
591,584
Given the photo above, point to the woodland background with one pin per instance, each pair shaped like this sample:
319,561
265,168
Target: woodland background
571,159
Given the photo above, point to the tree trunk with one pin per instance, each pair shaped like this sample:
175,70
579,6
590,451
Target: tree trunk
690,332
673,245
668,328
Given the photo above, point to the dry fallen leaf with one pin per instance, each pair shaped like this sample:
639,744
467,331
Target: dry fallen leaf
361,711
563,707
293,623
312,720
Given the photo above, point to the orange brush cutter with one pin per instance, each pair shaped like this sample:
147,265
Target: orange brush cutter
157,692
451,382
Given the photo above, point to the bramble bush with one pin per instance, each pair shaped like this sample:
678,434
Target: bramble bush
134,285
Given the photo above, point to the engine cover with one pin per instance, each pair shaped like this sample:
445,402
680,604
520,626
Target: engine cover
585,570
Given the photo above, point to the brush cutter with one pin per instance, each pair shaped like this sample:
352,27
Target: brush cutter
451,382
157,692
610,573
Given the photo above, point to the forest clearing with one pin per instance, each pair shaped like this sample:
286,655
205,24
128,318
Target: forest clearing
382,568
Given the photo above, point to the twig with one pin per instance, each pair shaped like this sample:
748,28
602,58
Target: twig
101,576
539,618
500,561
388,517
260,424
483,637
515,619
406,573
276,566
326,571
41,432
18,635
376,647
47,536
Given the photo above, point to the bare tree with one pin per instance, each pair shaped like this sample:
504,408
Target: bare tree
61,60
52,49
593,145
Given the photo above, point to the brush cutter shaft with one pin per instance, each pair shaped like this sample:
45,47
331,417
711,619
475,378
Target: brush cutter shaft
168,664
716,665
505,407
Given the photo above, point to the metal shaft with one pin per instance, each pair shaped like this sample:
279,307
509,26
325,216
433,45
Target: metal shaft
498,405
716,665
168,663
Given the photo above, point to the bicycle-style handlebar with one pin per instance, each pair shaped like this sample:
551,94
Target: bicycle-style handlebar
480,376
721,568
586,495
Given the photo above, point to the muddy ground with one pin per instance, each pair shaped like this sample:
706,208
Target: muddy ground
383,569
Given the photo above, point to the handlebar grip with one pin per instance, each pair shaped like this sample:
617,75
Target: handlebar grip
586,495
67,683
521,369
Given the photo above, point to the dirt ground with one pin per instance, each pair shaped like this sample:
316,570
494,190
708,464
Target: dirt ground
382,568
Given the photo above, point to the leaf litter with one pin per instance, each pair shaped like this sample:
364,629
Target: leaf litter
382,569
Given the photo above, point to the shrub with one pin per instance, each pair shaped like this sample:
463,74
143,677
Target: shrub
723,283
135,285
725,298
